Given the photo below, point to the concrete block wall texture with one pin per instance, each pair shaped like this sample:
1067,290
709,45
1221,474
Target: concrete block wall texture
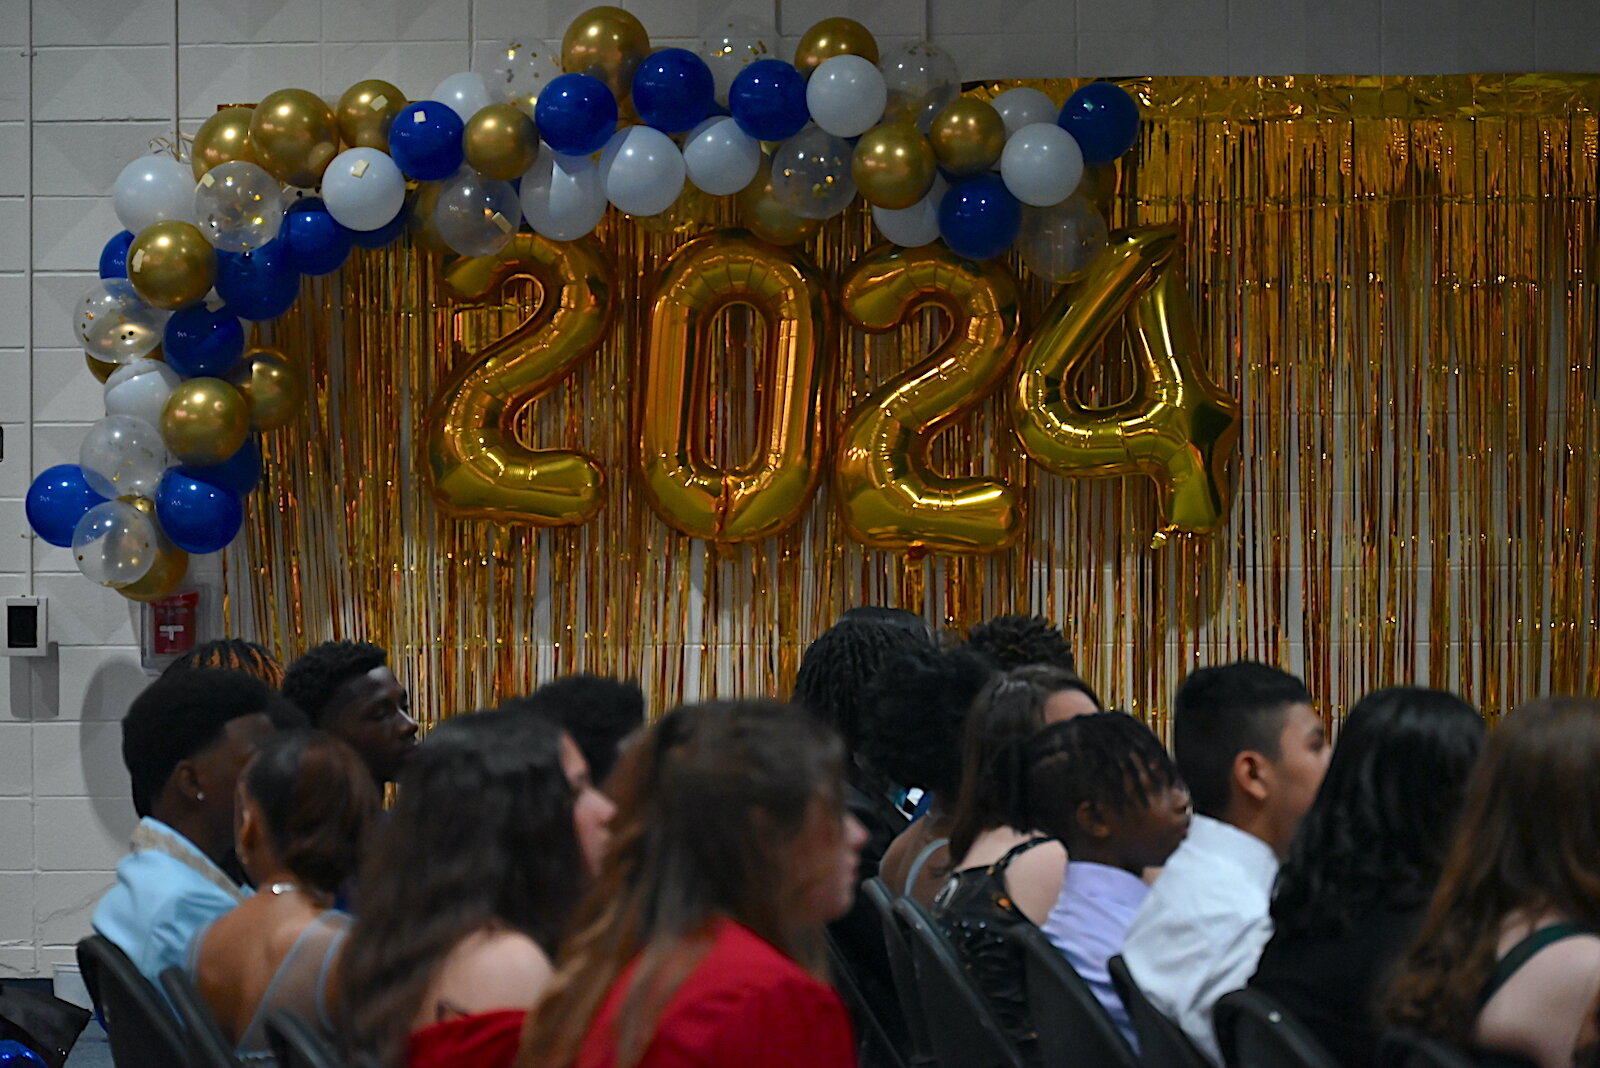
85,85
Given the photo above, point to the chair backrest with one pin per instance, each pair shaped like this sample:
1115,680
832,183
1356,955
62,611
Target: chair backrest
1254,1031
874,1046
1072,1024
1402,1049
962,1030
297,1044
143,1031
1161,1042
878,894
208,1046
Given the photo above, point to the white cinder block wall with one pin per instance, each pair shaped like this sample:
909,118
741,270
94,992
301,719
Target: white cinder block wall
85,85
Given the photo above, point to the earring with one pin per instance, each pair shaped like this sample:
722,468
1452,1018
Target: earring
199,795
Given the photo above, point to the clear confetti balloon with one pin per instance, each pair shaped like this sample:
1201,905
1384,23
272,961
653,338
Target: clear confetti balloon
476,216
731,47
238,206
115,325
123,456
921,79
1058,243
115,544
811,174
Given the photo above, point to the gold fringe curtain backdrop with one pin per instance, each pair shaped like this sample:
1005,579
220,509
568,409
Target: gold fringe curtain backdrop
1395,276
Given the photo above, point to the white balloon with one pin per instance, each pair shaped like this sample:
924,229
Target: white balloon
1024,107
121,455
846,96
114,544
140,389
562,196
642,170
238,206
917,225
466,93
477,215
731,47
721,158
363,189
153,189
1042,164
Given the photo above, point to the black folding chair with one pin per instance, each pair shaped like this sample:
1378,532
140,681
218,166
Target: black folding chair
297,1043
1162,1043
1254,1031
1072,1024
874,1047
961,1028
143,1031
878,894
208,1047
1402,1049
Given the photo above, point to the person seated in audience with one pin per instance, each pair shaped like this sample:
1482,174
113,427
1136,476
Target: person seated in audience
1104,785
1020,640
702,942
184,741
1359,873
347,689
305,803
1003,872
1507,961
1069,695
466,892
232,654
1253,752
917,707
599,713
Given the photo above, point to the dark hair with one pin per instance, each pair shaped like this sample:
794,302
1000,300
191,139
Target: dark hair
1108,759
708,805
312,679
1528,839
838,667
895,617
317,800
1380,825
1056,680
915,710
1220,712
1005,715
181,714
1019,640
481,836
234,654
596,710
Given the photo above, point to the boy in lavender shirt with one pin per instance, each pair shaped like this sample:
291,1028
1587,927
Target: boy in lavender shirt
1104,785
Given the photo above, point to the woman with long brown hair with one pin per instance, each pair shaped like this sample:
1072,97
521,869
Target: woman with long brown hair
1508,958
701,942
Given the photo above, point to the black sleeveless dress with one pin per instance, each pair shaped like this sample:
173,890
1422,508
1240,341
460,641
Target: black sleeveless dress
1514,959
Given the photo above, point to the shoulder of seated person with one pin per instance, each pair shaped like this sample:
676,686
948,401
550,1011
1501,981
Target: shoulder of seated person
492,970
1570,959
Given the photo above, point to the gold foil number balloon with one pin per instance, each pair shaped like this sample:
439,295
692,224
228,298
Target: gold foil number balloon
205,421
222,138
272,384
295,136
889,496
480,469
608,43
366,111
171,264
1179,428
686,489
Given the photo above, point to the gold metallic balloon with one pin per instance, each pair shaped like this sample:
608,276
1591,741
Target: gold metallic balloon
480,470
767,218
834,37
690,493
222,138
365,112
170,567
968,136
171,264
205,421
1179,428
608,43
500,142
295,136
422,226
894,165
100,368
889,495
273,386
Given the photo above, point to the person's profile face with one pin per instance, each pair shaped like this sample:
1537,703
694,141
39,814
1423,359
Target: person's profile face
217,770
591,809
1152,831
1303,754
371,713
825,860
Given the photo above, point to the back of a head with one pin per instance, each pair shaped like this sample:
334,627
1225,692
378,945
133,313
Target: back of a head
894,617
1107,759
598,711
1381,823
183,713
318,803
1003,718
1220,712
232,654
915,711
838,667
314,676
1019,640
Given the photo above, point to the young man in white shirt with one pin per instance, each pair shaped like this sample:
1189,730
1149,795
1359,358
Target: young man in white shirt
1253,752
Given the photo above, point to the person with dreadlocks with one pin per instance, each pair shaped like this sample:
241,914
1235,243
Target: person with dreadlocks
232,654
1019,640
347,690
1104,785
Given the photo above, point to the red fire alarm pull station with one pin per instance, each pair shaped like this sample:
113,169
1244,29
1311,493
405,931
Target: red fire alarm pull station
174,623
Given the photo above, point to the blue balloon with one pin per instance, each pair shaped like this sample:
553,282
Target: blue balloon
315,241
14,1054
199,516
768,100
425,140
58,498
1103,119
239,472
201,343
576,114
114,257
257,285
979,218
383,236
673,90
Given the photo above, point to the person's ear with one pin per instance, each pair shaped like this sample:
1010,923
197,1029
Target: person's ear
1252,775
190,784
1090,822
250,828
